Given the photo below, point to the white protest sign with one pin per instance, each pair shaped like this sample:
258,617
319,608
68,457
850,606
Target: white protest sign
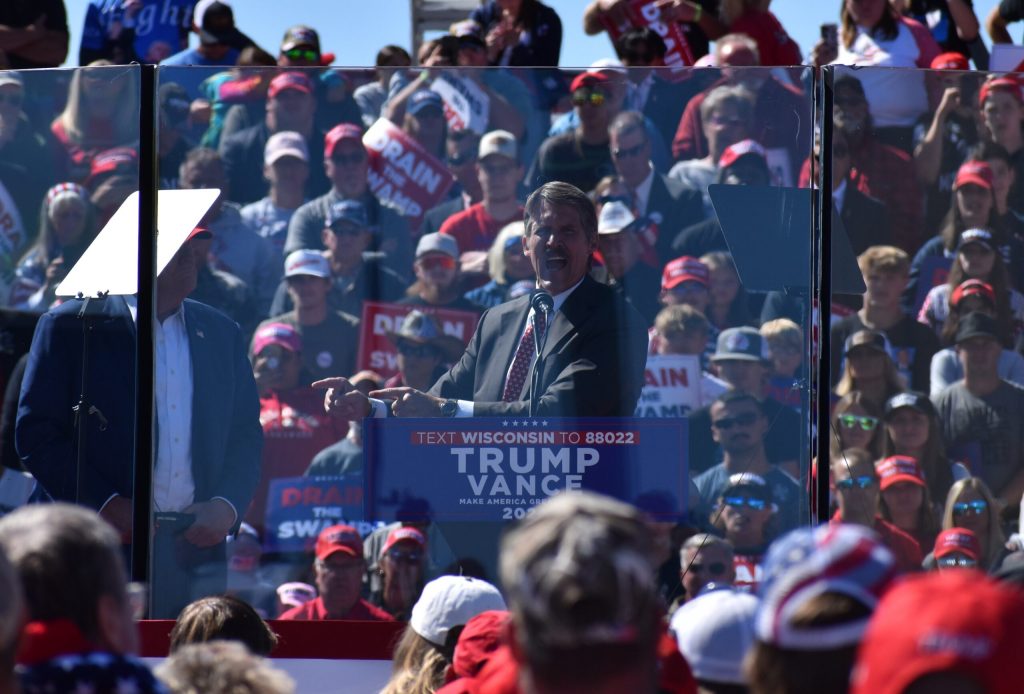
466,105
671,386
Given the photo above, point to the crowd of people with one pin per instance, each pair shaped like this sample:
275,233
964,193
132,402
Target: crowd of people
328,212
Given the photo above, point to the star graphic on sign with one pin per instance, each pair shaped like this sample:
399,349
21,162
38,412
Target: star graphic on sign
515,422
544,423
505,423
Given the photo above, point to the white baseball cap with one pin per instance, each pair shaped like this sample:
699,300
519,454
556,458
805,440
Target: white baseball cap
285,144
714,632
437,242
498,142
451,601
307,262
615,217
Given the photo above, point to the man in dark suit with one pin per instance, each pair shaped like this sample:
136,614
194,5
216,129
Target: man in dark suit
593,353
665,202
207,457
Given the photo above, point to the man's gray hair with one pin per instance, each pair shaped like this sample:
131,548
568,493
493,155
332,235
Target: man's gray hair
702,541
627,122
559,193
737,96
67,558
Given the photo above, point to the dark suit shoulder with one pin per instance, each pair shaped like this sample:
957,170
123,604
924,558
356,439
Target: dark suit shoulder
207,315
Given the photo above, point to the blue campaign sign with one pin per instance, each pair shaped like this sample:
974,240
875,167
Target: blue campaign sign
298,508
496,469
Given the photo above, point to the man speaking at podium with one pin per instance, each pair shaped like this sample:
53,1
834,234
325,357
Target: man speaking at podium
592,345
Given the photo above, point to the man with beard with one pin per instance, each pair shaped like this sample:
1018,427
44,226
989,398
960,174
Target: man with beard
739,425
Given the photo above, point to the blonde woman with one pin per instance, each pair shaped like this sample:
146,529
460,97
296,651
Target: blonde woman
970,504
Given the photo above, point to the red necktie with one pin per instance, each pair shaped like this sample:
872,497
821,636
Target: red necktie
521,361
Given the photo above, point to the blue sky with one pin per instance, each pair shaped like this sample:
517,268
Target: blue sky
355,29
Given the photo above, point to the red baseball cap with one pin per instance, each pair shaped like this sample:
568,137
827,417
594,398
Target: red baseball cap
280,334
743,148
404,533
339,538
684,269
972,287
117,159
1005,83
959,540
290,80
480,638
976,172
944,621
950,61
587,79
898,468
342,131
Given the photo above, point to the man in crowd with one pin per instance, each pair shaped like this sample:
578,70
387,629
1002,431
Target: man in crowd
591,334
580,157
356,276
220,43
286,169
665,202
499,172
857,492
683,329
401,566
79,627
329,336
173,141
235,248
339,568
371,96
291,107
620,246
300,48
741,359
886,271
424,351
739,425
705,559
982,416
208,439
461,147
346,164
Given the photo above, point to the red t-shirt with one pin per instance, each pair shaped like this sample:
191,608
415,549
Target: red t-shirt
774,45
903,547
362,611
474,228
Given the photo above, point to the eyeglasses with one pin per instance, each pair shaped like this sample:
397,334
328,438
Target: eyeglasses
715,568
623,153
413,556
12,99
970,508
743,420
344,159
407,349
862,482
957,562
741,501
307,54
584,96
443,262
853,421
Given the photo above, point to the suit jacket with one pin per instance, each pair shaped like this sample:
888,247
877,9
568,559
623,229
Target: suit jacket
594,357
227,439
674,207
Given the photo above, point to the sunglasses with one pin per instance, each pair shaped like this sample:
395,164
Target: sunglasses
743,420
853,421
862,482
715,568
956,562
418,351
970,508
443,262
741,501
13,99
581,97
344,159
624,153
412,556
306,54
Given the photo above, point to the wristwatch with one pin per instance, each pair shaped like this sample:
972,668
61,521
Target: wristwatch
449,408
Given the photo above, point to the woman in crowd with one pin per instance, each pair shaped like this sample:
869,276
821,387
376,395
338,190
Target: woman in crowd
911,428
1002,114
867,367
872,32
67,225
506,265
730,305
904,499
102,112
971,505
969,296
856,423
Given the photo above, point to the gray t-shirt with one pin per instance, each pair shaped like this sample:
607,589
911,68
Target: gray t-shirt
328,349
987,431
